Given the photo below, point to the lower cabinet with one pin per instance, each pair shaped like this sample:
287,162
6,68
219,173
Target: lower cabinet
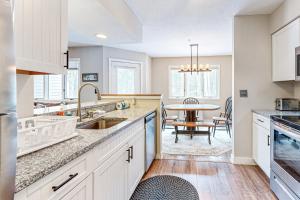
109,172
261,147
119,176
110,179
136,167
83,191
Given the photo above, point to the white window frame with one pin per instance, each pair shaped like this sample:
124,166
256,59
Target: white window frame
46,85
172,67
110,74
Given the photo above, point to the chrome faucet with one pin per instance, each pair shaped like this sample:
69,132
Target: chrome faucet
79,100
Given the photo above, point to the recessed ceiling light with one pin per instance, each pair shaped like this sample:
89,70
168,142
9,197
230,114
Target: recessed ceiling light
102,36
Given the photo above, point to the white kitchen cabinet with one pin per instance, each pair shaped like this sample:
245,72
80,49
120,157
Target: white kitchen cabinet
136,167
41,35
110,171
284,43
261,143
110,180
83,191
123,171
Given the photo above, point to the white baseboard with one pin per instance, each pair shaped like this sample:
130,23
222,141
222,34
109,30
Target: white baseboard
242,160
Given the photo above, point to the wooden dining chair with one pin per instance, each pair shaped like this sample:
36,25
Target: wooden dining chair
224,119
165,118
191,100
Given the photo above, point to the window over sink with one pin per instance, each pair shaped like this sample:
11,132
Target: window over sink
202,85
58,87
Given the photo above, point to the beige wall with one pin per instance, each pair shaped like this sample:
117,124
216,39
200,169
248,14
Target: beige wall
252,71
288,11
160,81
24,96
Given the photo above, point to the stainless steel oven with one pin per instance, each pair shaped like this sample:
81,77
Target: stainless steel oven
285,157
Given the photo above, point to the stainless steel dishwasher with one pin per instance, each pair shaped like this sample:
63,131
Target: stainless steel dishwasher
150,127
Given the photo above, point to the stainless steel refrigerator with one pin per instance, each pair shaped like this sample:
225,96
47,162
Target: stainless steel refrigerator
8,121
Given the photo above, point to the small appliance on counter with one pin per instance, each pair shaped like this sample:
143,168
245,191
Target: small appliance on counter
287,104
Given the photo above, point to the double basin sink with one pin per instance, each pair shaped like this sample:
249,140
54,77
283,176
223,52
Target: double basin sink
101,123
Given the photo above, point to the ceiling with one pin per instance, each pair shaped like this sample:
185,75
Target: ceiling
90,17
169,26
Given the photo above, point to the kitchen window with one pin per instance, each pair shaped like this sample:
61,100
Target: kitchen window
202,85
58,87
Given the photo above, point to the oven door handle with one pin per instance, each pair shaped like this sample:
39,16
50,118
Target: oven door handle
287,132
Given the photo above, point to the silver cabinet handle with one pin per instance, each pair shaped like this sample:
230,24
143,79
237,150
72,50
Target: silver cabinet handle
131,152
261,120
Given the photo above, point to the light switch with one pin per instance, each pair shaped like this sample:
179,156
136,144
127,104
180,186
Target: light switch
244,93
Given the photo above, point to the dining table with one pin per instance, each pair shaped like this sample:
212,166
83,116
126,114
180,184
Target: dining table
191,109
191,114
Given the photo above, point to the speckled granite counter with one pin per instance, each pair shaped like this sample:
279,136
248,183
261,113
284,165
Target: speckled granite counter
269,113
34,166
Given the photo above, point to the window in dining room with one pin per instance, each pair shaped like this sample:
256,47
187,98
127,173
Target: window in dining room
203,85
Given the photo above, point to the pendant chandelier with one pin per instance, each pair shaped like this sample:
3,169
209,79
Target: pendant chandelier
196,67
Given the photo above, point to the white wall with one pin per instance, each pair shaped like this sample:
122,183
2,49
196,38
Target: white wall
160,75
24,96
252,71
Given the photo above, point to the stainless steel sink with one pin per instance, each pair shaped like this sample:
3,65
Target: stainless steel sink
102,123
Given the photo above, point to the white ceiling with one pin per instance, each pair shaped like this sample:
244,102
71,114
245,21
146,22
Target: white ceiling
89,17
169,24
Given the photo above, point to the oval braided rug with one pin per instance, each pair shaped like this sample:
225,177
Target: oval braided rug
165,188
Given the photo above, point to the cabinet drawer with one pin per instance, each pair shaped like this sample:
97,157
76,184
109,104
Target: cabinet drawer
261,120
63,179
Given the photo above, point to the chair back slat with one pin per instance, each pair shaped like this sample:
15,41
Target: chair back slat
228,108
191,100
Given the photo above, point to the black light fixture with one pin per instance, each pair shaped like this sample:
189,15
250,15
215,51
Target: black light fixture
195,67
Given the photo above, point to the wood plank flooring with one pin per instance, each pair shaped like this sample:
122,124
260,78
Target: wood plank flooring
217,180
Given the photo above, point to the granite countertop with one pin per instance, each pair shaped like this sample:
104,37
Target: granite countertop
269,113
34,166
53,109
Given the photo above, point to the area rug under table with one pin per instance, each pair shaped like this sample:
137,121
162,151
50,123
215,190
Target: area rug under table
165,188
197,146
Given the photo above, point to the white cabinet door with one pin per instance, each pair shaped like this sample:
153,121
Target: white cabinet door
136,167
261,147
83,191
110,179
38,32
284,43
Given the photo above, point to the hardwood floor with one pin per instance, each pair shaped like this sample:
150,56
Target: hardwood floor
217,180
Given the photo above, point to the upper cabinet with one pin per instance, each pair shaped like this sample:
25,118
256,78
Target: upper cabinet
41,35
284,43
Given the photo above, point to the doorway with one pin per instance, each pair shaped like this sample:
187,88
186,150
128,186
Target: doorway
125,77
